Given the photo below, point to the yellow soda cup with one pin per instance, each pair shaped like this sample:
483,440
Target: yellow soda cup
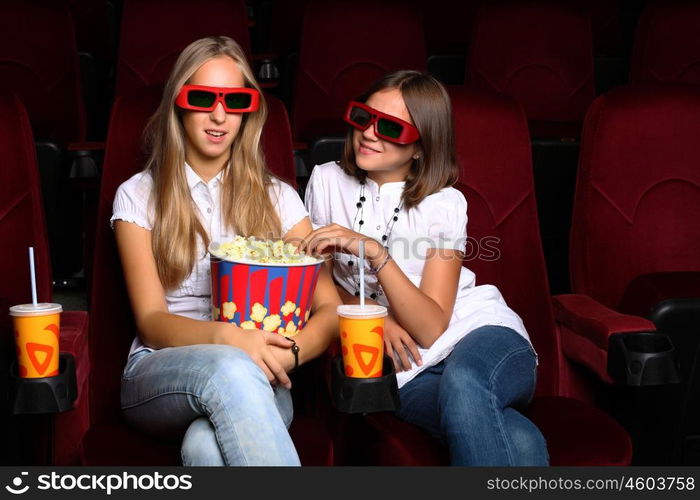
36,329
362,339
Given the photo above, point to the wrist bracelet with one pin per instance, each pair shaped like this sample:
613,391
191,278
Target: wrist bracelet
375,270
295,351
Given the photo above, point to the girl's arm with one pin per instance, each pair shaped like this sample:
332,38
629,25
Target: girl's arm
322,327
159,328
423,311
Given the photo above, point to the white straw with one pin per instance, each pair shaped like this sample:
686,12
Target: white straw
362,273
33,274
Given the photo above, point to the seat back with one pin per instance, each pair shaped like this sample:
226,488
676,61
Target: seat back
504,246
154,32
666,45
21,213
637,201
21,226
39,63
112,326
345,46
540,53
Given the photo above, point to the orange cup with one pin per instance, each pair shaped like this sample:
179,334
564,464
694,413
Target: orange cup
362,339
37,328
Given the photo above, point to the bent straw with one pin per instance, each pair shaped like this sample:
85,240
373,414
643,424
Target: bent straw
362,273
32,274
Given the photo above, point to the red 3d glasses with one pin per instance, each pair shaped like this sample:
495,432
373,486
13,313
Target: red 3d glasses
387,127
233,99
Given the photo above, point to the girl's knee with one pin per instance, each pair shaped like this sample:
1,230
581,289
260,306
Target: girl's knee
528,444
232,367
200,446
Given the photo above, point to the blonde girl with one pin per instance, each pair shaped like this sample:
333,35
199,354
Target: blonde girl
224,390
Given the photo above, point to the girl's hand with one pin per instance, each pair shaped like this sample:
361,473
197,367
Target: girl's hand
259,344
397,342
336,238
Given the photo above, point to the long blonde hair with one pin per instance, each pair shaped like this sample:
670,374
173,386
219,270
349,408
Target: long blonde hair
429,105
245,201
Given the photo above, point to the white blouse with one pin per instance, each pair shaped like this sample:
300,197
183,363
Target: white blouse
439,221
192,298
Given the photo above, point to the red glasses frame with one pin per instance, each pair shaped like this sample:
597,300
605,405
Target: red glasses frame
220,97
409,133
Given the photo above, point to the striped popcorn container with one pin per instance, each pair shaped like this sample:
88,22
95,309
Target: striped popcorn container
264,296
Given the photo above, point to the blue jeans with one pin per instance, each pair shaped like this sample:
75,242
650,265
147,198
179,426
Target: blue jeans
470,400
214,395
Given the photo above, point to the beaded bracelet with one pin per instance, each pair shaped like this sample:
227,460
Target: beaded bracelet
375,270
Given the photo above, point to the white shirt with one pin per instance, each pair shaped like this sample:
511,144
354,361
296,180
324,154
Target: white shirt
192,298
439,221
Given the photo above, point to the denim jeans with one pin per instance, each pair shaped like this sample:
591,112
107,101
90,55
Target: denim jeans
217,398
470,400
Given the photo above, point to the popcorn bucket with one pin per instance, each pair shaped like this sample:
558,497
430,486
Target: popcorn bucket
265,296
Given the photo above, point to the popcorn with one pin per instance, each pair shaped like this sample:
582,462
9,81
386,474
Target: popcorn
290,329
262,251
297,313
215,311
308,313
249,325
271,322
229,310
287,308
258,312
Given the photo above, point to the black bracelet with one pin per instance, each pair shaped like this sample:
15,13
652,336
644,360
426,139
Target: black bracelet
295,351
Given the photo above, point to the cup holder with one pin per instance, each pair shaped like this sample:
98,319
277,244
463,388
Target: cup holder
47,394
364,395
642,359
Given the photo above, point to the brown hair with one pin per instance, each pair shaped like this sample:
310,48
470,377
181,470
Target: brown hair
430,109
245,199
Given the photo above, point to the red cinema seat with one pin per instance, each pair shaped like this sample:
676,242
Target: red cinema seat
540,53
108,440
666,45
21,226
154,32
496,178
634,243
39,63
346,46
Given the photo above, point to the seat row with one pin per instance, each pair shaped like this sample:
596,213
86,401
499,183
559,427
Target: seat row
633,245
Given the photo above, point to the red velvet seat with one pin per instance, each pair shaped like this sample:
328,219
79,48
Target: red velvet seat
666,45
39,63
154,32
345,46
100,436
634,232
21,226
496,178
540,53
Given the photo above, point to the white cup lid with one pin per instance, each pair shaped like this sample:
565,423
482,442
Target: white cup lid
35,310
357,311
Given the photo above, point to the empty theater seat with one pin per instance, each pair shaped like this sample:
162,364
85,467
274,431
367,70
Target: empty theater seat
496,179
540,53
154,32
21,226
666,45
635,234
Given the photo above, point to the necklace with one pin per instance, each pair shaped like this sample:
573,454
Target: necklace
385,237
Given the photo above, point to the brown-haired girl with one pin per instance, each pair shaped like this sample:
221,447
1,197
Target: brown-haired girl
464,360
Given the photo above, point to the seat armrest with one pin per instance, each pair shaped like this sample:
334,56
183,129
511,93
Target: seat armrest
586,327
70,427
74,340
